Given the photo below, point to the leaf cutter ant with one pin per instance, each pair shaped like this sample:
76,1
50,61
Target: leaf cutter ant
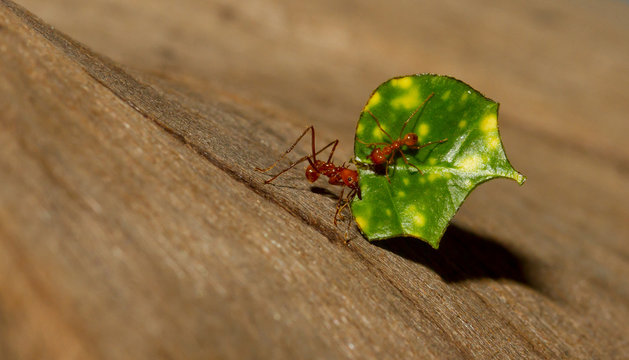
338,175
385,152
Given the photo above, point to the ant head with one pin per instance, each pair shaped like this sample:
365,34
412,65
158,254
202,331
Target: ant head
311,174
378,156
350,178
410,139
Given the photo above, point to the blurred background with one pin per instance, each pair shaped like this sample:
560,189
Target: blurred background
560,68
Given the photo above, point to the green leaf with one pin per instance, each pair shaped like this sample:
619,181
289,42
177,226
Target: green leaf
419,205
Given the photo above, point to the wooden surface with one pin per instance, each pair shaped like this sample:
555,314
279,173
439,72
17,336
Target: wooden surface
133,226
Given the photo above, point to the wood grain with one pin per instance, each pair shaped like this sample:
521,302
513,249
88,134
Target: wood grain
132,224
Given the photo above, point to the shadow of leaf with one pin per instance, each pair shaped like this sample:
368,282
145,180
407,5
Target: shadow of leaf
462,256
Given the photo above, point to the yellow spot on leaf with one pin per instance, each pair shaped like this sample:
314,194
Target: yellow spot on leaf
493,142
401,194
374,100
489,123
470,163
432,161
419,219
423,130
378,134
403,83
445,95
432,177
464,96
405,181
462,124
360,128
388,212
362,223
410,100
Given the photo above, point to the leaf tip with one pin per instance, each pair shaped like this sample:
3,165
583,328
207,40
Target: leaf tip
519,178
434,244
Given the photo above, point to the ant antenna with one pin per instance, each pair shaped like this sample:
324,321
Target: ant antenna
378,123
421,106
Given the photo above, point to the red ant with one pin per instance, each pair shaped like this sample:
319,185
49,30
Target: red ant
379,156
338,175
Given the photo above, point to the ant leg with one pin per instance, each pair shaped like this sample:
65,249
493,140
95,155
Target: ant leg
289,150
342,204
415,147
307,157
386,170
314,154
347,200
349,224
415,112
408,163
335,142
312,143
339,207
380,126
350,197
371,144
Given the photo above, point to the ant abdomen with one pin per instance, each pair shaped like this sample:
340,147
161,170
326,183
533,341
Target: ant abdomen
311,174
379,156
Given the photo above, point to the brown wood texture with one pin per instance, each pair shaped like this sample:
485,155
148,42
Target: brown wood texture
132,224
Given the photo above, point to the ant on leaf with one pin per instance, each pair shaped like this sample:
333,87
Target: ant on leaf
338,175
385,152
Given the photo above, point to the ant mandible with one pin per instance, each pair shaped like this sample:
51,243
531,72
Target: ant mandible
338,175
386,153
